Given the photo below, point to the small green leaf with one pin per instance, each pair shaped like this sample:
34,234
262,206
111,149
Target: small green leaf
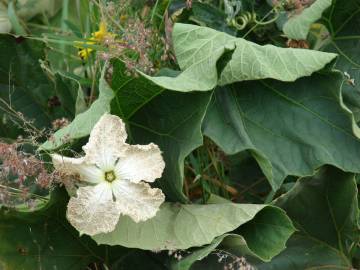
198,50
298,26
83,122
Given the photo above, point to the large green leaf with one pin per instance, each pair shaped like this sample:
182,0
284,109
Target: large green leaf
173,121
324,209
83,122
45,240
179,226
298,26
198,49
291,129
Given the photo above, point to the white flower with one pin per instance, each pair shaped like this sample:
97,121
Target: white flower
113,172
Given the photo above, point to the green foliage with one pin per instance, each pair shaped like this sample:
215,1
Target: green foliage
183,226
298,26
27,88
198,50
83,122
249,241
328,234
307,128
177,131
44,239
344,39
131,93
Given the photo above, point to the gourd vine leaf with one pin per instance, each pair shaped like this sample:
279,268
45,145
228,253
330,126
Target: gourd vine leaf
179,226
198,50
290,129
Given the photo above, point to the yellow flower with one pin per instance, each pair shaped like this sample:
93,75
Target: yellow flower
85,53
102,33
96,38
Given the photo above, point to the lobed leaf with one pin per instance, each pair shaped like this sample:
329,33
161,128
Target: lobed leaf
198,50
290,129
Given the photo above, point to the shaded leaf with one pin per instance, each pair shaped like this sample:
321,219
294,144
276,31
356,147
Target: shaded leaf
70,94
139,260
198,254
291,129
325,211
344,39
83,122
131,93
211,16
45,240
27,88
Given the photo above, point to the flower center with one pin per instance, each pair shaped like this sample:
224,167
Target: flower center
110,176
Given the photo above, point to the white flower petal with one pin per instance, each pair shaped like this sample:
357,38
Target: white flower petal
106,142
93,211
141,163
139,201
77,166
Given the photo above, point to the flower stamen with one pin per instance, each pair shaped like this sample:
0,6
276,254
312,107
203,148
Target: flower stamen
110,176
